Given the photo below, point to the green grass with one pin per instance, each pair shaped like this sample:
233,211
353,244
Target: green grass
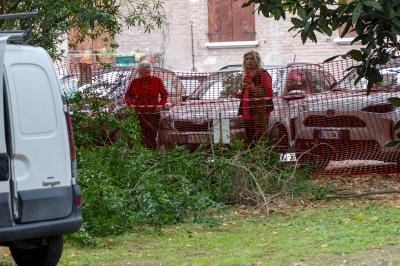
328,235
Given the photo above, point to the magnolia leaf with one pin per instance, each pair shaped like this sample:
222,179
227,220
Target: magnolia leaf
331,58
397,126
356,55
356,13
303,36
297,22
396,21
345,30
302,13
324,27
392,143
374,4
246,4
394,101
312,36
358,38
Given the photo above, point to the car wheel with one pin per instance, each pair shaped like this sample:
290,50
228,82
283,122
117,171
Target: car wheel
316,160
47,254
279,138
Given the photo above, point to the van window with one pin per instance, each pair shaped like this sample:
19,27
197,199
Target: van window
34,98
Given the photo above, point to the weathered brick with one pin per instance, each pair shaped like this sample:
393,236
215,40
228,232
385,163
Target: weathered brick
276,44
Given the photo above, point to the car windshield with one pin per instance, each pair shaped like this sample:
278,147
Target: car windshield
313,79
219,85
390,81
190,82
229,84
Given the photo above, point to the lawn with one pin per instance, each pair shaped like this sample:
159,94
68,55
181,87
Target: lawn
333,233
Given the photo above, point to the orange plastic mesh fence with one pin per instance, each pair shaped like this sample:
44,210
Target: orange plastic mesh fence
314,114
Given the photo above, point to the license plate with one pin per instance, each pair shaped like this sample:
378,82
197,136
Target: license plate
196,138
329,134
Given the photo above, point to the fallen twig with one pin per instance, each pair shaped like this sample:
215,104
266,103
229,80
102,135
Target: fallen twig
355,195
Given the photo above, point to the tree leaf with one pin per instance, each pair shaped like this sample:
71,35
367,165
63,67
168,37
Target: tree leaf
394,101
358,38
246,4
324,27
312,36
374,4
397,126
331,58
356,55
346,29
303,36
356,13
297,22
396,21
392,143
302,13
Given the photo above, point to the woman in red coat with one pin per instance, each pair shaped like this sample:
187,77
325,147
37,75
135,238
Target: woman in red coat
256,99
148,96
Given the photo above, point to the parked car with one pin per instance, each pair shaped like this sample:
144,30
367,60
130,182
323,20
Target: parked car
195,120
211,112
191,81
348,123
104,82
233,67
112,83
172,83
294,85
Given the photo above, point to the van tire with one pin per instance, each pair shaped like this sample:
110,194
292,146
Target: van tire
48,254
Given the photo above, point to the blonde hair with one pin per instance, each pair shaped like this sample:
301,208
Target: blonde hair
257,59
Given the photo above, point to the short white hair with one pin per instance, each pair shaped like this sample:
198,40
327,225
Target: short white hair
144,64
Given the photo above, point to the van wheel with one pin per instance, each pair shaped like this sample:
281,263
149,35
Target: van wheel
48,254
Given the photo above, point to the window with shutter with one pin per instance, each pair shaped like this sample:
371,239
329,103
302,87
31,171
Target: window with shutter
228,21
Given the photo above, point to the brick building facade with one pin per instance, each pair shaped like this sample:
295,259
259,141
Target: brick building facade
272,40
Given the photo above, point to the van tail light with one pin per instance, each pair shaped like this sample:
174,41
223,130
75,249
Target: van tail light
78,201
71,142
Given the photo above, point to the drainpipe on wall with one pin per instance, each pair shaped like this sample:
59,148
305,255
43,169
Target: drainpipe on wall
191,34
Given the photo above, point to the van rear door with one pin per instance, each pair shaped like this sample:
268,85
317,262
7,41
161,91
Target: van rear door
5,195
40,158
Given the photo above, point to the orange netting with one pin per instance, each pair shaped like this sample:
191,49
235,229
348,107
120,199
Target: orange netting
315,114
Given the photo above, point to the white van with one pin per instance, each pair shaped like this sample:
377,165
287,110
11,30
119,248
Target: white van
39,196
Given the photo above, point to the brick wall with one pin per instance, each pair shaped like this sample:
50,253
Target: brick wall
276,44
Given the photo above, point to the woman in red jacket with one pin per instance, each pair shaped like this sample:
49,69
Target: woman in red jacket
256,99
148,96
